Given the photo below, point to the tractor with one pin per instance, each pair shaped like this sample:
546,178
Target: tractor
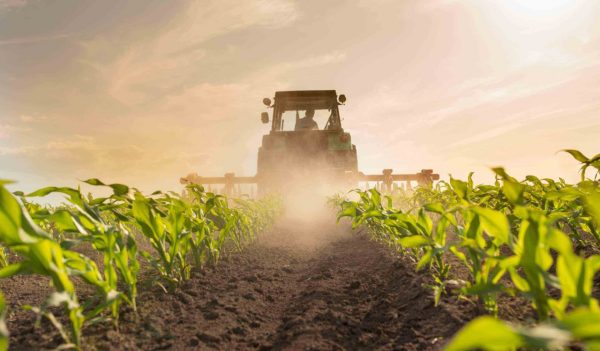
307,145
305,149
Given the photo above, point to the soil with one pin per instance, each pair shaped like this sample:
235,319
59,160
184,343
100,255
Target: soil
300,287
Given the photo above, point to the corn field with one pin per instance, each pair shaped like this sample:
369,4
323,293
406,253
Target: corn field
536,239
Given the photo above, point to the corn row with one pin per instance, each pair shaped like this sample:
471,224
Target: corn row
515,238
184,233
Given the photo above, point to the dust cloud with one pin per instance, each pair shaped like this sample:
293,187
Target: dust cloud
308,222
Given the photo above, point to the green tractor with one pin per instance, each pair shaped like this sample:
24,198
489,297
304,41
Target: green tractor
306,140
306,147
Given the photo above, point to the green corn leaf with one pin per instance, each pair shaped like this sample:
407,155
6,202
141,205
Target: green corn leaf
520,282
425,260
10,217
503,175
535,180
577,155
435,207
120,217
93,181
494,223
485,333
97,201
460,188
16,226
583,324
12,269
592,206
63,221
52,189
424,223
560,242
414,241
373,214
513,192
460,255
118,189
568,270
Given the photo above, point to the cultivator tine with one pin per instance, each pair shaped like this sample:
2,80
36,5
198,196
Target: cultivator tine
231,183
387,181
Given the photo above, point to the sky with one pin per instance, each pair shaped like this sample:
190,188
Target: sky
143,92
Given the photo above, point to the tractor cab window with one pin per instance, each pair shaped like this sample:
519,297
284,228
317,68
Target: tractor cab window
308,119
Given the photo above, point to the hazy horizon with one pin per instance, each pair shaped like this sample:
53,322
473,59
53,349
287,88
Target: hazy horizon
144,92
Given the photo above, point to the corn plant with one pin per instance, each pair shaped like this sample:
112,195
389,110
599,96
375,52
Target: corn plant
166,234
85,219
42,255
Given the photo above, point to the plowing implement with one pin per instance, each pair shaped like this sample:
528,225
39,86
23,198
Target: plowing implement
312,149
383,182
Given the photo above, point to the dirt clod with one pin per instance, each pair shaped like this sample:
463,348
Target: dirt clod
354,285
205,337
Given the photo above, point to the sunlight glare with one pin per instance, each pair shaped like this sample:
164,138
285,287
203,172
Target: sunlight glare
535,8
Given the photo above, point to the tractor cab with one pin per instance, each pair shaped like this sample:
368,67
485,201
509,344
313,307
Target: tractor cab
306,136
291,108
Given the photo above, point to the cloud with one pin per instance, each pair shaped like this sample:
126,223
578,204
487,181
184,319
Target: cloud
8,130
32,39
84,156
314,61
32,119
8,5
276,76
164,62
207,102
486,135
58,148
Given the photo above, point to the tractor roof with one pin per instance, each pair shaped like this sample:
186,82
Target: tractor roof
303,99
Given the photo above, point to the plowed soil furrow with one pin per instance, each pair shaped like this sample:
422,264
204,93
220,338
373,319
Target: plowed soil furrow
301,287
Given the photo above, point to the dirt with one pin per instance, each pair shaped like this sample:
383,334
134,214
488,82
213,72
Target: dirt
301,287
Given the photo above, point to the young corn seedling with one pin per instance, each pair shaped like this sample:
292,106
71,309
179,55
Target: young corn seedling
167,235
39,255
88,223
480,240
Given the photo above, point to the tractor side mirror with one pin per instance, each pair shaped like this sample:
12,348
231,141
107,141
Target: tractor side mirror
264,117
342,98
267,102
